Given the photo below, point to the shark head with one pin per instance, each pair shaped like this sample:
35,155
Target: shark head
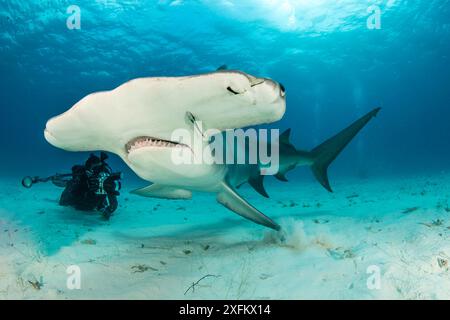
143,113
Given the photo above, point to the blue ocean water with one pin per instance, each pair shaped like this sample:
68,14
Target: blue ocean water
333,66
337,59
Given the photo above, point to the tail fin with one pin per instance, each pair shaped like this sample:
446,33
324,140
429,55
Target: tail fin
324,154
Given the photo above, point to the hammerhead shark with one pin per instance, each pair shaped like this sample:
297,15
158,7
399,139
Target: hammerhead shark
137,119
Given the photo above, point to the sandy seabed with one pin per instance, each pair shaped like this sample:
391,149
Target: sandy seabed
371,239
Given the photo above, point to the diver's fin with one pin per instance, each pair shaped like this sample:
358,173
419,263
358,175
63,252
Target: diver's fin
258,184
285,137
233,201
163,192
222,67
280,176
324,154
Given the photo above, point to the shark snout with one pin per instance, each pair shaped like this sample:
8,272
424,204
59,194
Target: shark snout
271,96
278,88
50,138
57,133
282,90
49,133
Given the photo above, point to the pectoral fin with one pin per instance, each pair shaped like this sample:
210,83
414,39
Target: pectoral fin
163,192
258,184
233,201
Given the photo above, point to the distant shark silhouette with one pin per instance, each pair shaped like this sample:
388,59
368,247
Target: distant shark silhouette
135,121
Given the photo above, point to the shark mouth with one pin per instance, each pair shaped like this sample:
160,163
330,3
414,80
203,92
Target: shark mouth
143,142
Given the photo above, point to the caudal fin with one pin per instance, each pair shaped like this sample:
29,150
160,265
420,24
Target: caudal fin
324,154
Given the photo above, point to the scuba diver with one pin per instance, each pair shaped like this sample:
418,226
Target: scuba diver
90,187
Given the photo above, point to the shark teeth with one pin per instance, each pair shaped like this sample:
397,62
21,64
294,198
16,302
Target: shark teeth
142,142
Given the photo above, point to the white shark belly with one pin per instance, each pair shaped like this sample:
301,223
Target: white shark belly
194,177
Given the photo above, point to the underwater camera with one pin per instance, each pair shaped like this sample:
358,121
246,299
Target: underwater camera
28,182
57,179
112,184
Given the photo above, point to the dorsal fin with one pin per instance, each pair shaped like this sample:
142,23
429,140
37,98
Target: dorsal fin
258,184
222,67
285,136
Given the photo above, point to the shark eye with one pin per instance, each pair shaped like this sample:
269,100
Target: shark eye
232,91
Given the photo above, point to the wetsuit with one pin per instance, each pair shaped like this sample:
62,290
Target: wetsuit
92,187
